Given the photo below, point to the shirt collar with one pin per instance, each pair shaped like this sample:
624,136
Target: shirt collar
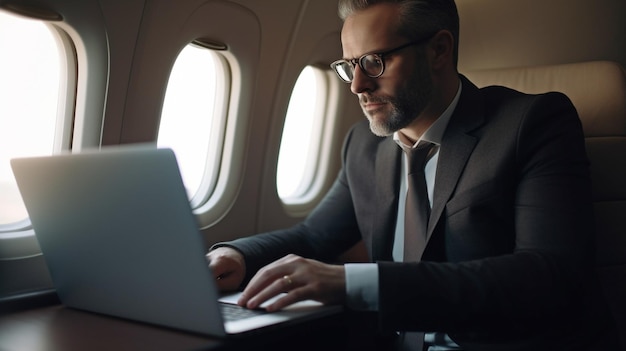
434,134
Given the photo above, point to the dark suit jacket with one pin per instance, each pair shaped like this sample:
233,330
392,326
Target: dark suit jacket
509,262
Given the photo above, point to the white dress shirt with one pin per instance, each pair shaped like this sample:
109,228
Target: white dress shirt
362,278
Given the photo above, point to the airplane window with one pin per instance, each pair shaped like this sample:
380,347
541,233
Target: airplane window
30,71
193,116
302,132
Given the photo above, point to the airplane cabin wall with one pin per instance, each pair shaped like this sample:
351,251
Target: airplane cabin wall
281,38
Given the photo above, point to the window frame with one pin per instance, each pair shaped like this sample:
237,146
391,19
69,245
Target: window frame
85,45
316,176
208,183
218,114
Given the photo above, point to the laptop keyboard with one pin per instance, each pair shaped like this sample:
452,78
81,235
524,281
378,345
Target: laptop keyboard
234,312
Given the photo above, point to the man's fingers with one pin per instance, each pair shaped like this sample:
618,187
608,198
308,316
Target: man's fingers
299,278
227,267
265,283
290,298
263,286
284,284
228,282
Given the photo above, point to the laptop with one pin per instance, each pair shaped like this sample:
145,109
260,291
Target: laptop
119,237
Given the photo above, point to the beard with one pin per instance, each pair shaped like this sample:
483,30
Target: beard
403,108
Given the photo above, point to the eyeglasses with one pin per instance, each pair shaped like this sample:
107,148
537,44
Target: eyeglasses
373,65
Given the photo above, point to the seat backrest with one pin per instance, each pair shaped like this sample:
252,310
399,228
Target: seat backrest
598,91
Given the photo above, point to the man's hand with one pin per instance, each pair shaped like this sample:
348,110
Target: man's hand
228,267
300,278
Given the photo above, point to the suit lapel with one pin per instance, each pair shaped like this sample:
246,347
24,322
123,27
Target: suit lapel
387,187
456,147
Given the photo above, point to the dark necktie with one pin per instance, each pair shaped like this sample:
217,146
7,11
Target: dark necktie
417,208
417,211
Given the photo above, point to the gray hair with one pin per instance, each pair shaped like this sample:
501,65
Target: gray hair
417,17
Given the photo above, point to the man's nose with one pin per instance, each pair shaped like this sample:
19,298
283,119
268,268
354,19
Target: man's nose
361,82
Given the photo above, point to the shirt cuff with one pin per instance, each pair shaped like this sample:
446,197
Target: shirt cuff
362,286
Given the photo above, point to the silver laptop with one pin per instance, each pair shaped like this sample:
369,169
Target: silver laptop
119,238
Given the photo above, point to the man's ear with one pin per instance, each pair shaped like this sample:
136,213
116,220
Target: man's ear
442,49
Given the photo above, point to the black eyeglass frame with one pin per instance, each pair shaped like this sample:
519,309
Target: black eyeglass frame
378,55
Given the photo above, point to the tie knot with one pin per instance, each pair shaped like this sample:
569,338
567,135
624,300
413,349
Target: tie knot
417,157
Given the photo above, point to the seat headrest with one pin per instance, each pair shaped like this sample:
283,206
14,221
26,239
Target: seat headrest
597,90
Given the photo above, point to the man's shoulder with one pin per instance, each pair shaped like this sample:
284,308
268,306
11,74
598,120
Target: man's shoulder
500,103
499,94
504,93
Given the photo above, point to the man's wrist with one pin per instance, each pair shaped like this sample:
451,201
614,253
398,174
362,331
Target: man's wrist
362,286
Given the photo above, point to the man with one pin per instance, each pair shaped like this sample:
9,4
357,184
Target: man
504,259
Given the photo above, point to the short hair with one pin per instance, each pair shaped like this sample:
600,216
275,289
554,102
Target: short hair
417,17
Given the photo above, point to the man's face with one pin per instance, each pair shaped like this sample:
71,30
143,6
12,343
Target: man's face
396,98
